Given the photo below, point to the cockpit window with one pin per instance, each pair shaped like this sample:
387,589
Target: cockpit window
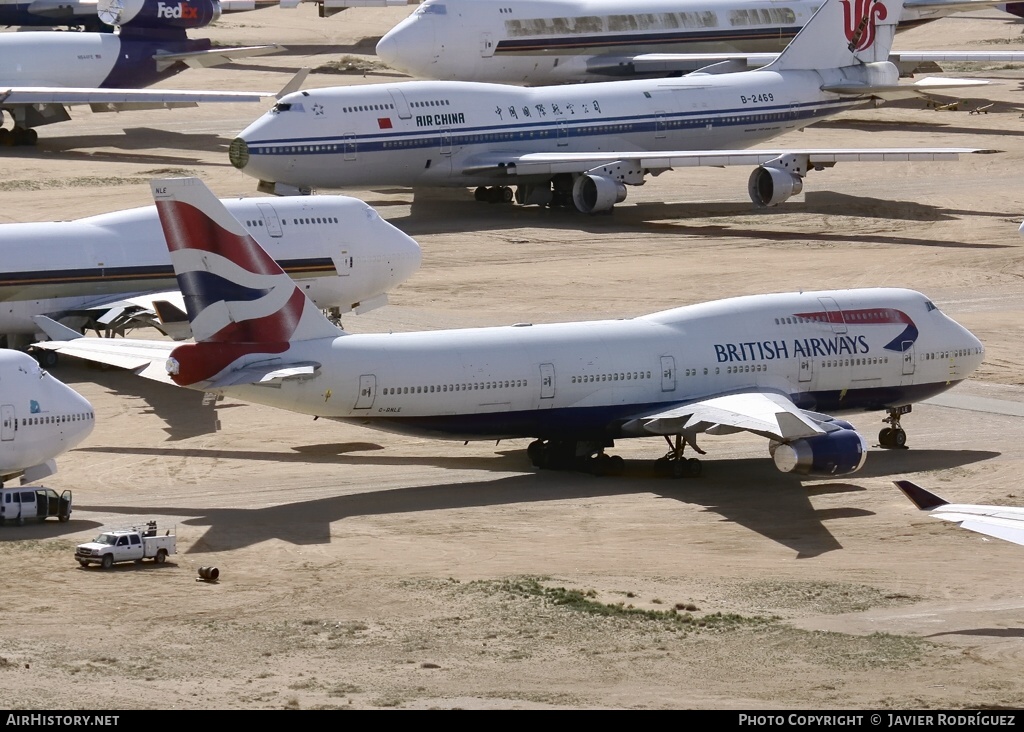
287,107
429,8
929,305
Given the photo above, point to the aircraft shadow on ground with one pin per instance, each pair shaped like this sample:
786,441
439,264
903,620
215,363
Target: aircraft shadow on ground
50,529
455,212
748,492
138,140
186,413
931,127
982,632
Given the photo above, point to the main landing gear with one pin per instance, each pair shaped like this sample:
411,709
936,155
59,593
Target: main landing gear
18,136
674,464
894,438
493,194
586,457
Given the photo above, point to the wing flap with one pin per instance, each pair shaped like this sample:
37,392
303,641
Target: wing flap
767,414
17,96
213,56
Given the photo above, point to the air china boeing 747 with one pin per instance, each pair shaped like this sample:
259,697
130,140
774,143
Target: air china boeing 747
582,144
772,365
538,42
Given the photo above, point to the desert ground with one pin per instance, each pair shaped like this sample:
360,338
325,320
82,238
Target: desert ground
365,570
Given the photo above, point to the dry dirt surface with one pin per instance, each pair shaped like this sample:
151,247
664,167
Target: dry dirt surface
361,569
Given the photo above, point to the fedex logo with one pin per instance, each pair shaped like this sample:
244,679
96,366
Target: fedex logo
182,11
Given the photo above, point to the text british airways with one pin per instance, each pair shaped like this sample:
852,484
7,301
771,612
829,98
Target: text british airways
771,350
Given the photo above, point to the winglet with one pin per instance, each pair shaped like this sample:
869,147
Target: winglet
923,499
294,84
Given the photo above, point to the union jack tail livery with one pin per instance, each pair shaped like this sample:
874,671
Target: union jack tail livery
843,33
240,303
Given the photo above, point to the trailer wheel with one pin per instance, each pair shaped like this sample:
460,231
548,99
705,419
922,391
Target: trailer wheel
108,561
161,556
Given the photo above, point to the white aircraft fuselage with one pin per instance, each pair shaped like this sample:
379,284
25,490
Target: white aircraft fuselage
832,351
338,249
40,417
452,133
539,42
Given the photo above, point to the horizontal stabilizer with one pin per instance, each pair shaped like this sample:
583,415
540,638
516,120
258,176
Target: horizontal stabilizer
904,91
14,96
266,374
145,358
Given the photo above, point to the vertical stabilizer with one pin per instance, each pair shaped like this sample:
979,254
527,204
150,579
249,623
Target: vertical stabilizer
843,33
239,301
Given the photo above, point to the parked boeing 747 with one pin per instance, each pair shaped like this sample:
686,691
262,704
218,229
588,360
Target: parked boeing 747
538,42
774,365
581,145
40,418
42,72
112,271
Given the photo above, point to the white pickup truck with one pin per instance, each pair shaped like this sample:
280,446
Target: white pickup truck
127,545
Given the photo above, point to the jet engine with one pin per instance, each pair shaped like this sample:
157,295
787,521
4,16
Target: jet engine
770,186
596,193
158,13
840,451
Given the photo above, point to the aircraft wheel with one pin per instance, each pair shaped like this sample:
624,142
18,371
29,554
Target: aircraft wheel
480,194
25,136
885,437
506,194
617,465
662,467
6,137
678,469
693,468
899,438
535,451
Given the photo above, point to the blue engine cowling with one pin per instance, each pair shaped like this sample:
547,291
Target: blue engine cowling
842,450
159,13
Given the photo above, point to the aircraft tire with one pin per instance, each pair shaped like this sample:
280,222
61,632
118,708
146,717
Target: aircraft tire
899,438
885,437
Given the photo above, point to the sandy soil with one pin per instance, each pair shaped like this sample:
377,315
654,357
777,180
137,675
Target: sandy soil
367,570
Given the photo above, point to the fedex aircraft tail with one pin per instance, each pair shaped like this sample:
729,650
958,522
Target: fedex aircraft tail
843,33
239,301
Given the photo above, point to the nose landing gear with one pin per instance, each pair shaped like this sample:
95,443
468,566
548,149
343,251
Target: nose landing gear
894,438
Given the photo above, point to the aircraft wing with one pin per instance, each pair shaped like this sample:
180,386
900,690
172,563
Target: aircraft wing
546,164
120,98
1000,522
768,414
213,56
908,62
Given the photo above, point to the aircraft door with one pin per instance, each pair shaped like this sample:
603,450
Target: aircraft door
7,422
486,45
909,362
446,142
401,105
547,381
835,314
668,373
367,391
271,220
806,369
563,133
659,125
349,146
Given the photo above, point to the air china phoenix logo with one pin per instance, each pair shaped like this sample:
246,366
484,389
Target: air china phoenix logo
859,18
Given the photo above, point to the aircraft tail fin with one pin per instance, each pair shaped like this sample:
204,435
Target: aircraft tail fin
239,300
923,499
843,33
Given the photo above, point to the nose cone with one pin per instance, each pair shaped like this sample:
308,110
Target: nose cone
403,252
409,46
81,419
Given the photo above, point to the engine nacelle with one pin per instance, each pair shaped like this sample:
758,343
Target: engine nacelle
595,193
839,452
770,186
159,13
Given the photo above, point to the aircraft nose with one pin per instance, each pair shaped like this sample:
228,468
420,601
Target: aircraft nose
405,253
408,47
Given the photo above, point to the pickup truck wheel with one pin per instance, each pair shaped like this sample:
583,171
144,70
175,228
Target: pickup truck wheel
64,517
108,561
83,562
161,556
